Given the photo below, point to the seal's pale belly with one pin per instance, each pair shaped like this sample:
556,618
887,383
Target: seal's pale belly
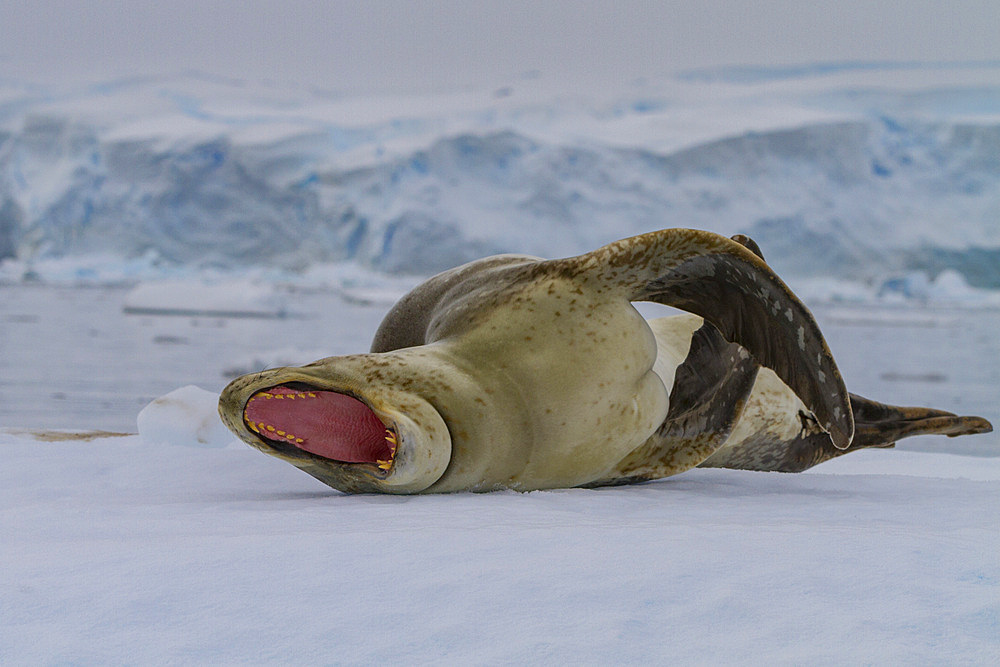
577,413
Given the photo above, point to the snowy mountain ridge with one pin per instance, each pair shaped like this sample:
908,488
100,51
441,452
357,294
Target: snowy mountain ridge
856,178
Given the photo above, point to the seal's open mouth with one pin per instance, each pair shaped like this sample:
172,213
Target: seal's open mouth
325,423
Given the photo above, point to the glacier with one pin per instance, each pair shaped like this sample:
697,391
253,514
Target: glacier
860,174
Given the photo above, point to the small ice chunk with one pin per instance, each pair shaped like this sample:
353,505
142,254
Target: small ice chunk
237,298
187,417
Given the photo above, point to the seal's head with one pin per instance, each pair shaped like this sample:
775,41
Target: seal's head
340,421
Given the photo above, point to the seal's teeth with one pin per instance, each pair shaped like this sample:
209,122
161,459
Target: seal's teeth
250,424
385,465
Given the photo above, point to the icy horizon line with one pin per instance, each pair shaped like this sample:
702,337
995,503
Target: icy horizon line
734,73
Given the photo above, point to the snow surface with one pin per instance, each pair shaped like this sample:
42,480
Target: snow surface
118,551
861,173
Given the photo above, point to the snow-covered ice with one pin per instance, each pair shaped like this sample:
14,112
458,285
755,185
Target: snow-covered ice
186,416
227,299
118,552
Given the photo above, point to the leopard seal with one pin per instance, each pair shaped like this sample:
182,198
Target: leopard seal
514,372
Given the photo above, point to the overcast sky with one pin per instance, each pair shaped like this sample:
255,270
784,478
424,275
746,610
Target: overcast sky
382,44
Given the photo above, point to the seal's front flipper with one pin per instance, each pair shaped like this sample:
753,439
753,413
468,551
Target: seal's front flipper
876,425
733,288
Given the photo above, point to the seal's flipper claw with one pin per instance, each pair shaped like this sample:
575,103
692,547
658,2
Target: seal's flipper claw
749,244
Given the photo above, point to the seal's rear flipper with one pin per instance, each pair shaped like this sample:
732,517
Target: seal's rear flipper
881,425
876,425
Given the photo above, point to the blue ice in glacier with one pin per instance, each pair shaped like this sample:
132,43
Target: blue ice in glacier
832,181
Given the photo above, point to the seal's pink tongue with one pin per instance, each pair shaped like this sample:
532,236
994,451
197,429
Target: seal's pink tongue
325,423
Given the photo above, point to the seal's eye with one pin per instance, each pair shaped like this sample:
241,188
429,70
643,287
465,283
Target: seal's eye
325,423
